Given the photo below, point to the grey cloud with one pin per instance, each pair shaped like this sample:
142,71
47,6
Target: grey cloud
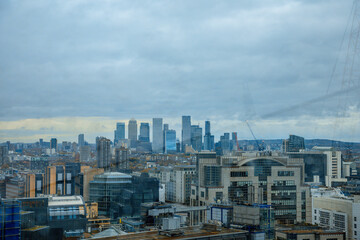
204,58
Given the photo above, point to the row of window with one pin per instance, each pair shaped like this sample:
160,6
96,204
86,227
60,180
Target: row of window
285,173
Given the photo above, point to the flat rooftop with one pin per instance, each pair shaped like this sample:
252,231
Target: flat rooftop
190,232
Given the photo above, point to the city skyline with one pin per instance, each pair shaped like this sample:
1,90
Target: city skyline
228,63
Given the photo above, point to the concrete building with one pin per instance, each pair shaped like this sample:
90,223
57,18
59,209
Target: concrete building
85,153
103,154
185,132
83,180
54,180
15,187
121,158
335,211
3,154
157,144
276,181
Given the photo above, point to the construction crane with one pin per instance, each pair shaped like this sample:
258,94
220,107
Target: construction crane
260,147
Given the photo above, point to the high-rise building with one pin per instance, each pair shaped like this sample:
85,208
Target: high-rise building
103,154
3,154
119,133
85,153
165,128
81,140
144,132
121,158
196,137
208,138
170,141
295,143
157,144
53,143
132,132
185,132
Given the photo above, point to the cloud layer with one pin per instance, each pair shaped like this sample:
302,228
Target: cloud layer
225,61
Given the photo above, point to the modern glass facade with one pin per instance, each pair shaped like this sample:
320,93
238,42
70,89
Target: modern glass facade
10,220
170,141
144,132
157,141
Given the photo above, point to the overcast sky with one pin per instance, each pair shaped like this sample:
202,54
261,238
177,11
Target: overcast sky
70,67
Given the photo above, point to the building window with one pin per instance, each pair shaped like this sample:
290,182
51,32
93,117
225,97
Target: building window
193,192
239,174
355,219
202,194
315,211
355,233
285,173
355,226
315,218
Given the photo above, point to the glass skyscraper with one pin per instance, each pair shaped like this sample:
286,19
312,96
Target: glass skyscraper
186,132
157,144
144,132
132,132
170,141
119,133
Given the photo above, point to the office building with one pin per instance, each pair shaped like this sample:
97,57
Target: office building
72,170
337,212
293,144
144,132
249,180
53,143
185,132
15,187
170,141
34,185
81,140
157,143
208,138
3,154
224,144
10,221
132,132
54,180
103,154
85,152
64,214
82,181
125,193
333,164
196,137
119,133
183,176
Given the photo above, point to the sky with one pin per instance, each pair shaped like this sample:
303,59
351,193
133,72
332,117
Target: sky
80,66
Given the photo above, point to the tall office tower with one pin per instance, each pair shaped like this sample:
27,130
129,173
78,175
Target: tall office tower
166,127
132,132
144,132
119,133
196,137
208,138
170,141
81,140
103,154
225,143
233,142
3,154
121,158
295,143
53,143
157,144
185,132
85,152
41,142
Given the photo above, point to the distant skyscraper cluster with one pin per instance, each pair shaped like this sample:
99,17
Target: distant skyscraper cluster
164,139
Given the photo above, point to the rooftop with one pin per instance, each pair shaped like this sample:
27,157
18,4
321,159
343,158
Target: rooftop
65,200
